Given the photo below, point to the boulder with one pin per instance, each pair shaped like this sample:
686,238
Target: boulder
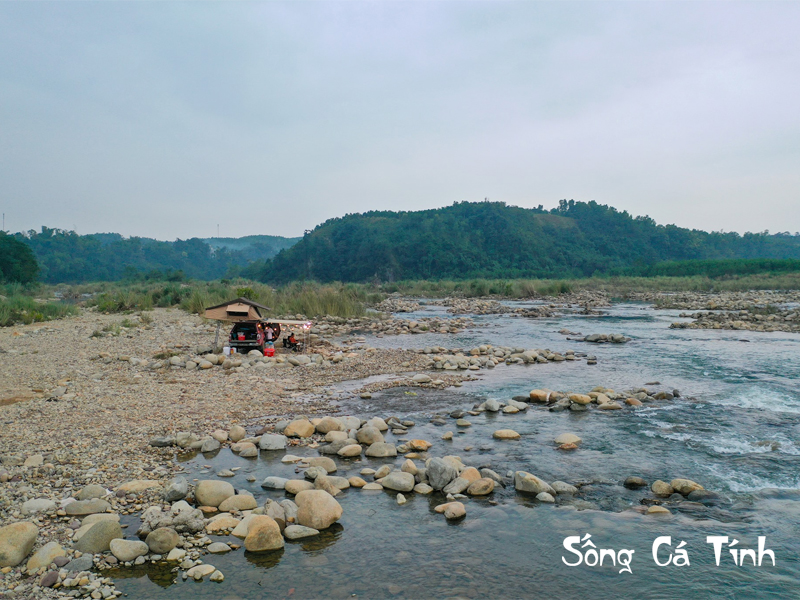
295,486
440,473
545,497
580,399
218,548
398,481
274,482
369,435
328,424
263,535
568,438
662,488
377,423
138,486
247,449
381,450
44,556
128,550
273,441
92,491
317,509
301,428
209,492
237,433
421,378
455,511
323,482
561,488
481,487
685,486
87,507
505,434
540,396
298,532
209,445
350,451
162,540
177,489
526,482
98,538
239,502
322,461
37,505
634,483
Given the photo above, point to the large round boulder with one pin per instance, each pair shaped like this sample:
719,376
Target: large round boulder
98,538
212,493
162,540
317,509
16,541
263,534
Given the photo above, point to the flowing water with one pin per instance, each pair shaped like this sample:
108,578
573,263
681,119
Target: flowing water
735,430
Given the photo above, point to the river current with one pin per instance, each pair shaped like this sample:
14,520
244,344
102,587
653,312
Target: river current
735,430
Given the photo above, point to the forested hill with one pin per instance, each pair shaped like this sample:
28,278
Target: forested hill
493,240
66,257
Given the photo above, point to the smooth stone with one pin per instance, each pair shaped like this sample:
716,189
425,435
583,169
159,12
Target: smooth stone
218,548
480,487
37,505
44,556
98,538
317,509
635,483
545,497
162,540
239,502
177,489
209,492
398,481
87,507
128,550
274,483
685,486
567,438
295,486
273,441
138,486
381,450
350,451
527,482
264,534
301,428
562,488
92,491
298,532
505,434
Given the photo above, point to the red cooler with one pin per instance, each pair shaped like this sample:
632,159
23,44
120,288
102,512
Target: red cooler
270,351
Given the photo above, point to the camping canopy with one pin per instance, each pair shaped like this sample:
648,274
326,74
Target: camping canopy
240,309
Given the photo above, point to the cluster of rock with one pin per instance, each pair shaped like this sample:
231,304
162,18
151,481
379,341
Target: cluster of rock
475,306
422,325
395,304
717,300
605,338
751,319
677,490
535,312
599,397
488,357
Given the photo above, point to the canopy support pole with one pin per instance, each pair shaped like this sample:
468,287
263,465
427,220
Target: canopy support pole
216,336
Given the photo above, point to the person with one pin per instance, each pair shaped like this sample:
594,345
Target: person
270,333
290,341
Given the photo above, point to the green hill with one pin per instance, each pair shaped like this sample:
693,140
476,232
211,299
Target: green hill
493,240
254,247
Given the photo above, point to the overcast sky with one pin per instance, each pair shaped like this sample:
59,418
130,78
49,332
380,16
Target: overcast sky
167,119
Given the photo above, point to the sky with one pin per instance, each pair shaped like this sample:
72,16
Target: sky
176,120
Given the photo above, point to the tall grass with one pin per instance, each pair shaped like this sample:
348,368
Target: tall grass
22,308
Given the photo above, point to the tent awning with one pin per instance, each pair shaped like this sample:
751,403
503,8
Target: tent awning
239,309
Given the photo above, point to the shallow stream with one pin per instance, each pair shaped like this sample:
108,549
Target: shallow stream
735,430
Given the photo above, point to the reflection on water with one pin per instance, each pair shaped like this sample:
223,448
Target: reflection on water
735,431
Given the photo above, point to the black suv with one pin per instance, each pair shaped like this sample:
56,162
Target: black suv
245,336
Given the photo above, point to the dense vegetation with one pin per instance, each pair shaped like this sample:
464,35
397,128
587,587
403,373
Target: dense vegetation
308,299
17,262
493,240
719,268
66,257
254,247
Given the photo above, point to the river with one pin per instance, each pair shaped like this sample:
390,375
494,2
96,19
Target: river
735,430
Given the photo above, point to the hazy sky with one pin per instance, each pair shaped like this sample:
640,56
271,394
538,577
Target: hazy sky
164,119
